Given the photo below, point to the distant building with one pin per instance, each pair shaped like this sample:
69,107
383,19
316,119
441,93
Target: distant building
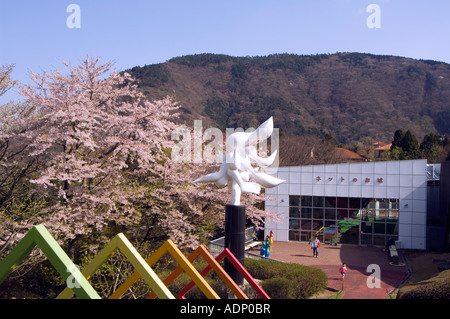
378,144
362,203
438,221
344,155
380,148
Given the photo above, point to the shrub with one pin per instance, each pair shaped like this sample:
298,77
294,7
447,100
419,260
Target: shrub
278,288
287,280
437,287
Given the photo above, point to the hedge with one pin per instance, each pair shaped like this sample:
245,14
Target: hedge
287,280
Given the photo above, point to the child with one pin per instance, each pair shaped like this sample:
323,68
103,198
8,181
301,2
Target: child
343,270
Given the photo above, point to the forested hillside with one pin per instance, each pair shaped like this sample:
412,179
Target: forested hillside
346,95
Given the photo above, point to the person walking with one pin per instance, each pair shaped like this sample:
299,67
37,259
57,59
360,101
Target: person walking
315,247
343,270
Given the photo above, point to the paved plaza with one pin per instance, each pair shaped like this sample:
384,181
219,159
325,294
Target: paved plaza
357,258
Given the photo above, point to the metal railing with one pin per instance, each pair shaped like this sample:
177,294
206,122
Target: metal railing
216,246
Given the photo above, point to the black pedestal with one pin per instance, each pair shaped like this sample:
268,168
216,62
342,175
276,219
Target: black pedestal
235,238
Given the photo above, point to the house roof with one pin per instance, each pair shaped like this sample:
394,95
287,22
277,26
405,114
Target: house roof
378,144
385,147
346,154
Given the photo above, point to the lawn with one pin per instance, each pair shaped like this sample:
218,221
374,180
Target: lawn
425,280
424,265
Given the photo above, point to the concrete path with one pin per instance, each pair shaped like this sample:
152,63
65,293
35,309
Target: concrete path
357,259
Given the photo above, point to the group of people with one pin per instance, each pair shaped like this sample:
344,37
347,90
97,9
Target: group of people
315,244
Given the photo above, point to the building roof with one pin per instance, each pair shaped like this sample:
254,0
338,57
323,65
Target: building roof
385,147
378,144
343,153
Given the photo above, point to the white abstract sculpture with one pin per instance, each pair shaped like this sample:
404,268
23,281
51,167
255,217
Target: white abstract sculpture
236,168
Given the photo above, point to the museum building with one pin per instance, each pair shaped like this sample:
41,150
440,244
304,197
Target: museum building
356,203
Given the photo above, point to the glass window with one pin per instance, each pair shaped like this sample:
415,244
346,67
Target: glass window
330,223
365,202
392,229
394,203
366,227
294,235
342,213
367,214
305,235
294,201
379,228
330,201
383,203
370,204
318,201
342,202
318,213
365,221
366,239
330,213
379,240
306,201
355,213
306,212
306,224
380,215
294,212
317,226
354,203
294,223
392,216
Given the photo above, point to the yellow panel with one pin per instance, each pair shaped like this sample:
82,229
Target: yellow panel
144,269
136,276
170,247
191,271
122,243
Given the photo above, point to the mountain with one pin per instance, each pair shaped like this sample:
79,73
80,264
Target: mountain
346,95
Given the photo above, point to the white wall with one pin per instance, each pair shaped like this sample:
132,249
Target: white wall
403,180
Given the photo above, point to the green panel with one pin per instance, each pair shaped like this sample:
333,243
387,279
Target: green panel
39,235
63,264
22,249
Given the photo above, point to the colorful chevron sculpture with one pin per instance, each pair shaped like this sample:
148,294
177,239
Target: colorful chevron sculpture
213,264
121,242
39,236
169,247
226,253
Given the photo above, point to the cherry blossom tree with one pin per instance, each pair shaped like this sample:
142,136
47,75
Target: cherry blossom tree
104,159
16,201
88,155
97,133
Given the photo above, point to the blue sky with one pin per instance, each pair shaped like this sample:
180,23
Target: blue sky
34,34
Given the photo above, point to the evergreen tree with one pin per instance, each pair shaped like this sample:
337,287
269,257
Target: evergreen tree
398,136
410,146
404,146
430,147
